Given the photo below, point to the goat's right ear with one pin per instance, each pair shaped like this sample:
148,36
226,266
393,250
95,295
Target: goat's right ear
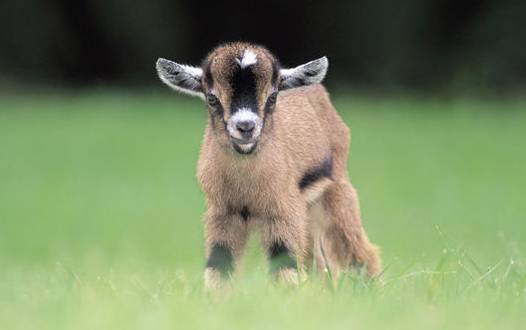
182,78
309,73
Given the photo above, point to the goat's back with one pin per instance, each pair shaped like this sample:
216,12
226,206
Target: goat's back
308,127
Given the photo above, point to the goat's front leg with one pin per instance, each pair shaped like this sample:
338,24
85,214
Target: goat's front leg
226,237
284,239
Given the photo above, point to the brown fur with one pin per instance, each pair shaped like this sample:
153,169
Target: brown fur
260,191
305,129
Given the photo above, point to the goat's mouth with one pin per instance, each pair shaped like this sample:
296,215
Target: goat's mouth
244,147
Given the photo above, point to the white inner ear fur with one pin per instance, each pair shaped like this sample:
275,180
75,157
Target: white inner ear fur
309,73
248,59
180,77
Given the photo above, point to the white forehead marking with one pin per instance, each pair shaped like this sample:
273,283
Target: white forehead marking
248,59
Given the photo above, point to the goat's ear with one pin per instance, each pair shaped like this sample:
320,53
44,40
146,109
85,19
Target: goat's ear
182,78
309,73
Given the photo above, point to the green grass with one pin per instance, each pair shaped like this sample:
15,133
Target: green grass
100,219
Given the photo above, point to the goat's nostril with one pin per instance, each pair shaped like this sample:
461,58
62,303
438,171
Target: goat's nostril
245,127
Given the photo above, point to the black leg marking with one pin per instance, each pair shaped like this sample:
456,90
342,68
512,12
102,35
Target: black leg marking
280,257
324,170
221,260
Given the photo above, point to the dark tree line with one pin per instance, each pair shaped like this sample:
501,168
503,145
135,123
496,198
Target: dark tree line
426,44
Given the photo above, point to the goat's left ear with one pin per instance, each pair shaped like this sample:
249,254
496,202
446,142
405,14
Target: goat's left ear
309,73
182,78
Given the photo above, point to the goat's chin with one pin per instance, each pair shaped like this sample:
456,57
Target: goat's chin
244,148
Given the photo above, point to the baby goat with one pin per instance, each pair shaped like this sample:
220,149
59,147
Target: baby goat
274,159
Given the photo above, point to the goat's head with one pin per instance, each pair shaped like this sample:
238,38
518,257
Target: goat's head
240,83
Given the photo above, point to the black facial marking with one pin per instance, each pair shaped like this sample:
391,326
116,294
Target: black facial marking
280,257
324,170
208,77
221,259
244,87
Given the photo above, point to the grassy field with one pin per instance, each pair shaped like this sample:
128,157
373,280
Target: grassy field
100,219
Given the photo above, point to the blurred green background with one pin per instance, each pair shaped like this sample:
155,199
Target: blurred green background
100,211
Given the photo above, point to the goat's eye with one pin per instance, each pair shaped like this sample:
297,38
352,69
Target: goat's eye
272,98
212,100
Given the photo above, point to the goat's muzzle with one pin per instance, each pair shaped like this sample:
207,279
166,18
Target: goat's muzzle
244,128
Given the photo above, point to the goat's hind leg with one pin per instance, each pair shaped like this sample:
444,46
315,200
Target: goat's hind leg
345,242
317,221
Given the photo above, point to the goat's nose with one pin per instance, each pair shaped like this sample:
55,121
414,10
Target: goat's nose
246,127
